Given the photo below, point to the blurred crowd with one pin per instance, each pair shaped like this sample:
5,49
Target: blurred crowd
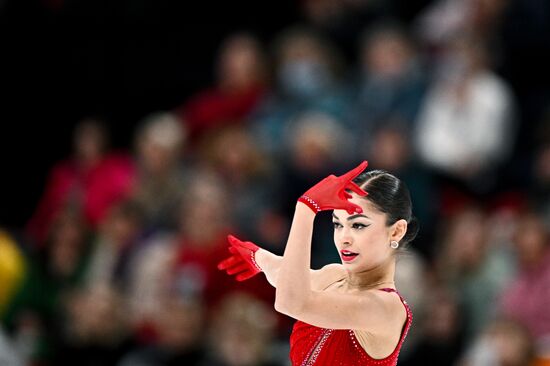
117,265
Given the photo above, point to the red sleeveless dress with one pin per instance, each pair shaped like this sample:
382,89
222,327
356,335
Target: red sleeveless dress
310,345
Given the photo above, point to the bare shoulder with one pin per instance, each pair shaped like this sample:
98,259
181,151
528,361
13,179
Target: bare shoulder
380,339
391,300
321,278
390,309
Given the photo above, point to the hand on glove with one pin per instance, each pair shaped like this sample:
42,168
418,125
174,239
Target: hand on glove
242,261
330,193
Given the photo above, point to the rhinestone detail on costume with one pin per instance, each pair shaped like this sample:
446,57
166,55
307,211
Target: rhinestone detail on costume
253,260
311,203
317,349
312,346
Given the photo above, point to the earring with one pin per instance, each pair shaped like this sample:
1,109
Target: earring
394,244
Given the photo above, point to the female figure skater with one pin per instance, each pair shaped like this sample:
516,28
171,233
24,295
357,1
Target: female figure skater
348,313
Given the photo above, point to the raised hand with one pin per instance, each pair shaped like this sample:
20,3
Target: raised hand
330,193
242,261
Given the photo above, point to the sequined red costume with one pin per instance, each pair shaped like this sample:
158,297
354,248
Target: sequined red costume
310,345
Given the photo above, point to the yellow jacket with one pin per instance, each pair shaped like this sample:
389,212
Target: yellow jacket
12,269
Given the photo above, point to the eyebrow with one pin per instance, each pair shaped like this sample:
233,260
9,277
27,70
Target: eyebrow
351,217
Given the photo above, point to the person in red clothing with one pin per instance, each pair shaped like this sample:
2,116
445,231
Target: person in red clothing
241,82
90,182
348,313
201,244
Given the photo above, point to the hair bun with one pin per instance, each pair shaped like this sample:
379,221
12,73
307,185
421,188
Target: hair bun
412,230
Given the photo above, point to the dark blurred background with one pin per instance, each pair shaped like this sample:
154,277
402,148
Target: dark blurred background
64,60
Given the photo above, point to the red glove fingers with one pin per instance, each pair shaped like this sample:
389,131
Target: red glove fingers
242,261
352,174
330,193
237,269
355,188
229,262
245,275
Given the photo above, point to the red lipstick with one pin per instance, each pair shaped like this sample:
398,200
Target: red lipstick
347,255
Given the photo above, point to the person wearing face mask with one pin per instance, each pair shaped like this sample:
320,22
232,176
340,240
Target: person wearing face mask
307,64
347,313
390,83
307,78
303,79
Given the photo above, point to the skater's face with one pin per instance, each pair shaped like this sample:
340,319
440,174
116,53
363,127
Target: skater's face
363,240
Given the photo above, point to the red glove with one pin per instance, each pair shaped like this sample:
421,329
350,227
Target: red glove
242,262
330,193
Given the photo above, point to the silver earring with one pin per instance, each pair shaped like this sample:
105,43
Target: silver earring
394,244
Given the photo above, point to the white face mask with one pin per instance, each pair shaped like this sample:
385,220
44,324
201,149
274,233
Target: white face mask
304,78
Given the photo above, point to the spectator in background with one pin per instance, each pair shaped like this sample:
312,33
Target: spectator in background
184,263
199,250
391,84
35,315
251,178
308,74
180,325
153,265
527,298
341,21
241,333
466,128
242,80
474,267
503,342
112,247
96,330
90,181
441,332
160,178
204,224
